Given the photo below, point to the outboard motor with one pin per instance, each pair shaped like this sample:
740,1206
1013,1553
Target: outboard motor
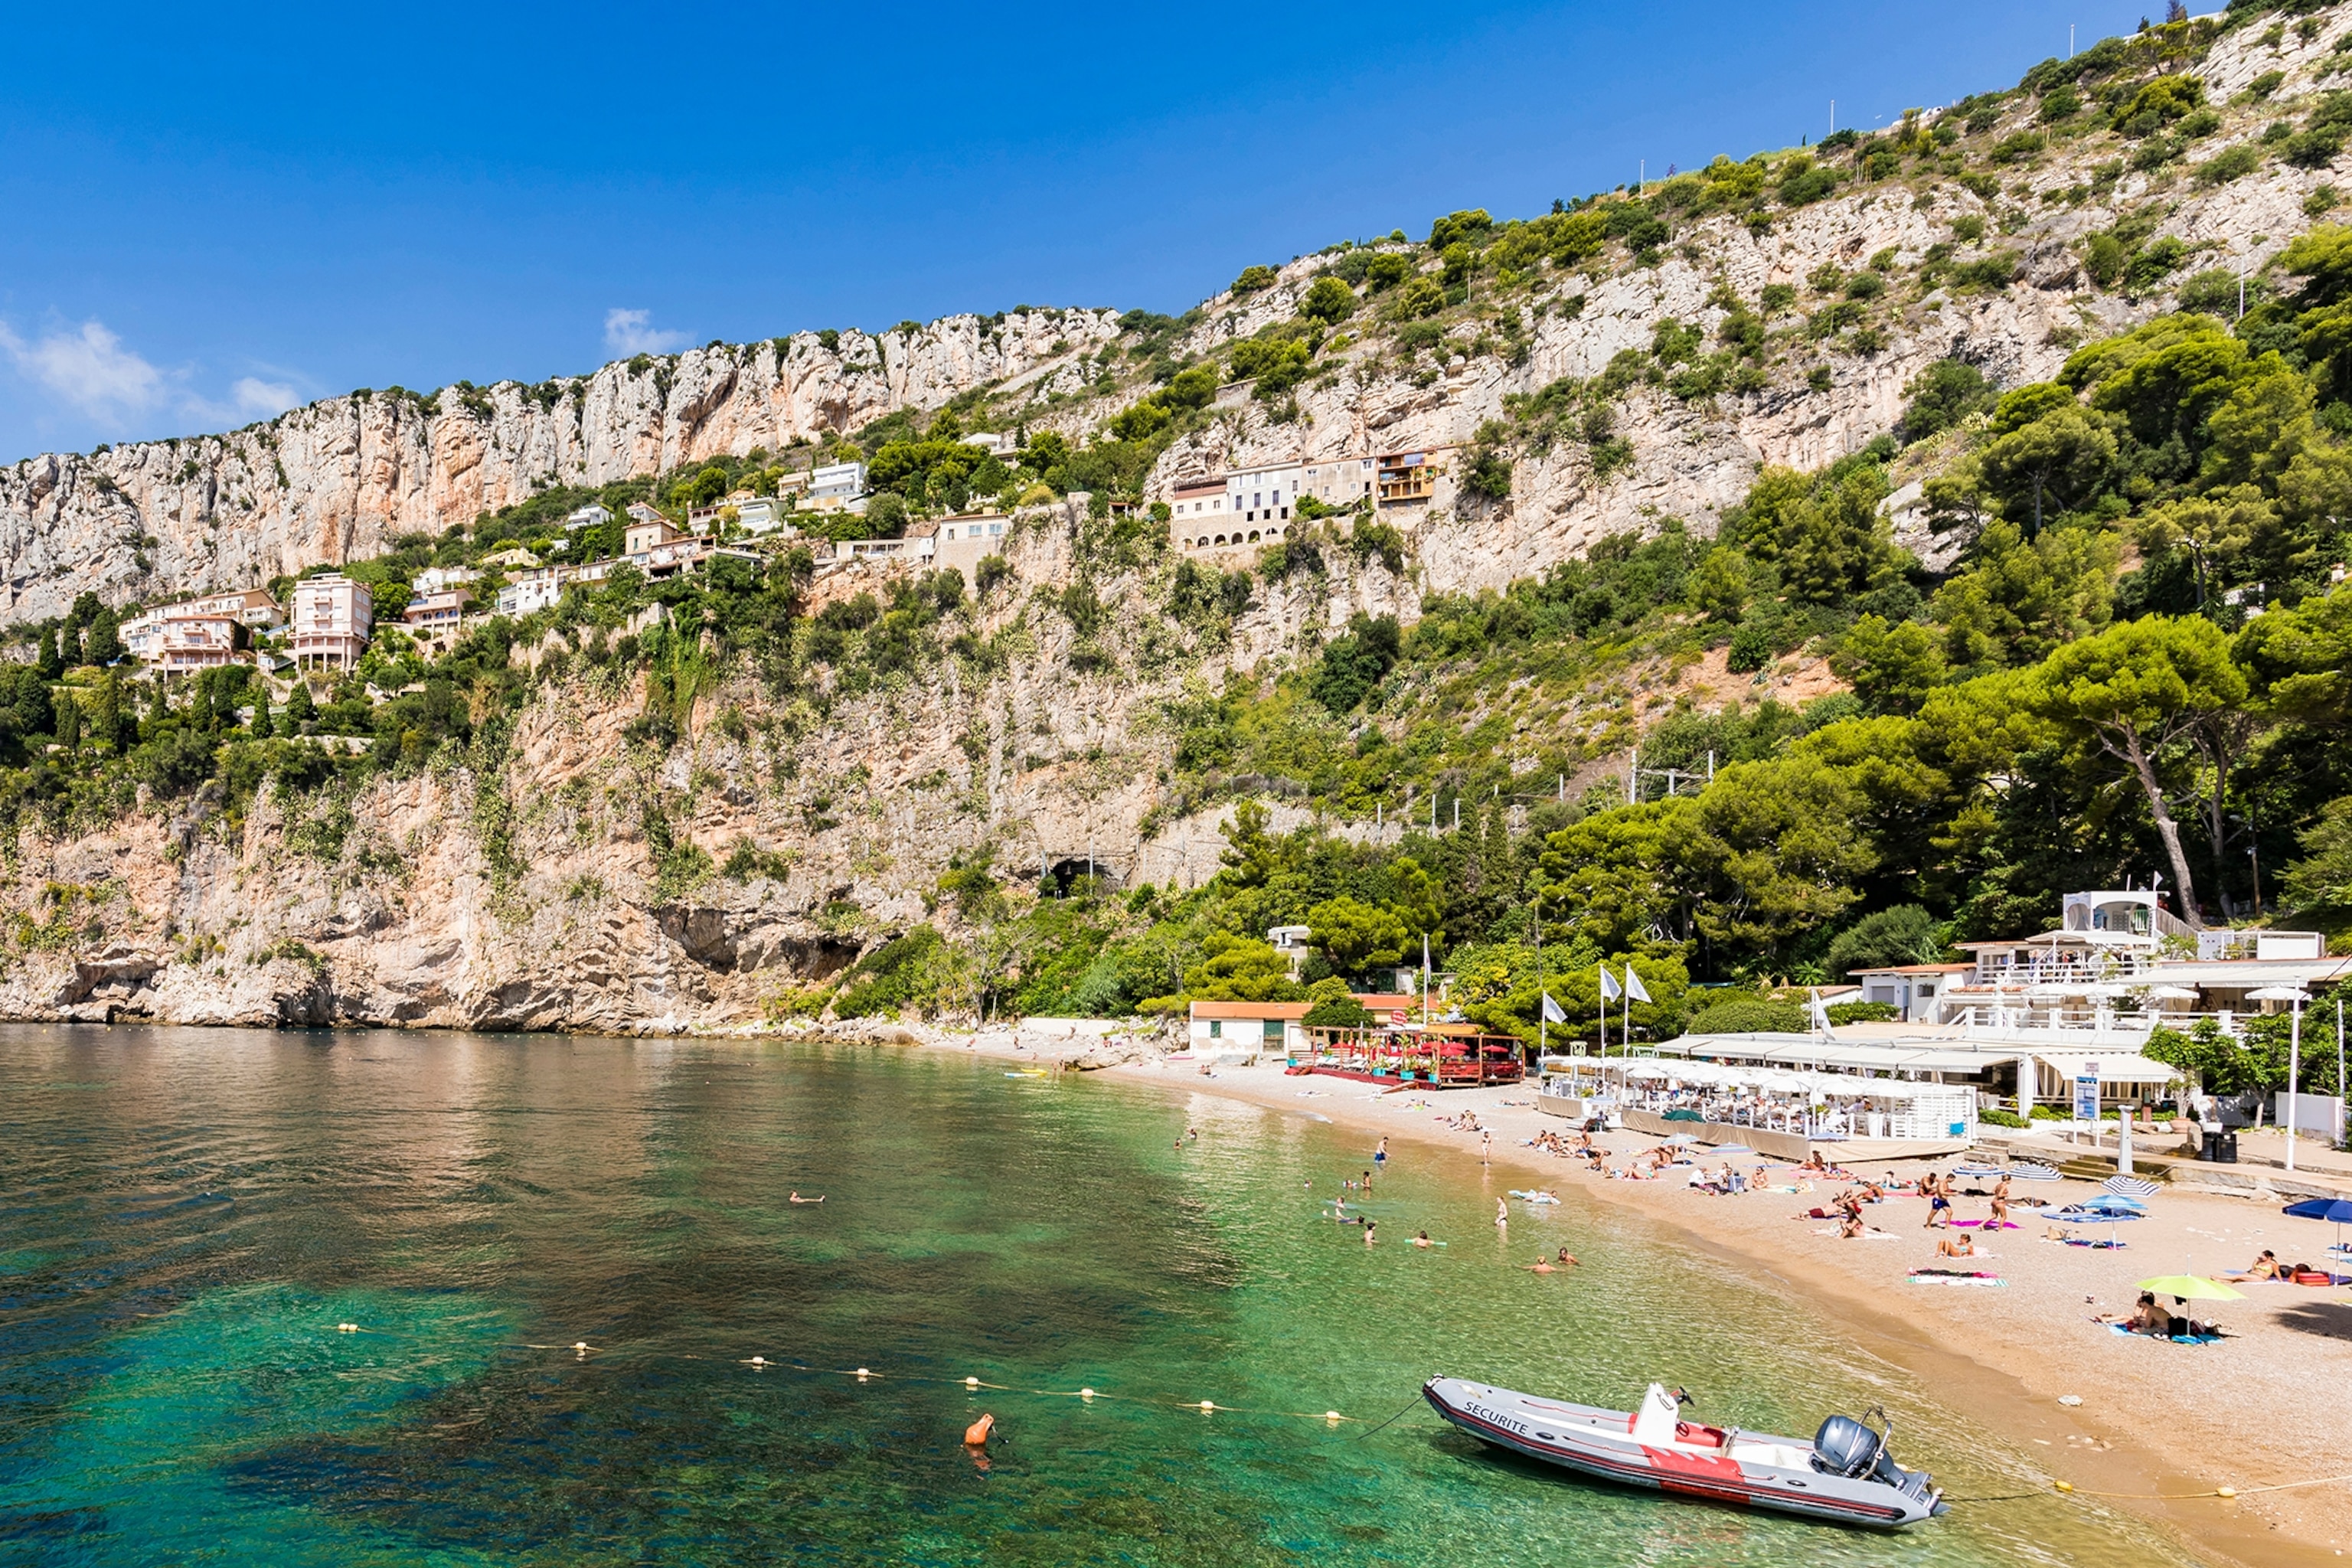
1844,1447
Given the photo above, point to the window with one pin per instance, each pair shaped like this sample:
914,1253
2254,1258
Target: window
1216,1029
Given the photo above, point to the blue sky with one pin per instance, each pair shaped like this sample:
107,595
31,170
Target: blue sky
213,215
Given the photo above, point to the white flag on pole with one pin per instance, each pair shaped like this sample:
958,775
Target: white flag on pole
1818,1010
1551,1010
1634,986
1609,989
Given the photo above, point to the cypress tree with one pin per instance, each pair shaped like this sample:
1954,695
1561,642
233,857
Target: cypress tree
105,638
52,664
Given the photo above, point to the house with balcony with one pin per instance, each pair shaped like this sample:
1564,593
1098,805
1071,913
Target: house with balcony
433,579
527,592
145,635
333,616
590,516
434,619
192,642
838,487
964,541
1404,479
753,515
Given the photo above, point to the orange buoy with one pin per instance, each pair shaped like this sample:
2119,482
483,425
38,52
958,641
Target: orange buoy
976,1435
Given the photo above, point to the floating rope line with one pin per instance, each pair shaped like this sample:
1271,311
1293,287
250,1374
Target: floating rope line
583,1350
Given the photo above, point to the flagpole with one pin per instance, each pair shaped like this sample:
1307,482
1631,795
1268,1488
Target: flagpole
1543,1014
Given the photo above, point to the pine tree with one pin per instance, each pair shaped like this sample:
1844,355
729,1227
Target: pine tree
300,710
261,726
52,664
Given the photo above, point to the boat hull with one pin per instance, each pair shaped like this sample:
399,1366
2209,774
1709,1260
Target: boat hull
1758,1470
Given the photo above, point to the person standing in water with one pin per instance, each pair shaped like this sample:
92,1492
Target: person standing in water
1486,1146
1502,1214
1380,1155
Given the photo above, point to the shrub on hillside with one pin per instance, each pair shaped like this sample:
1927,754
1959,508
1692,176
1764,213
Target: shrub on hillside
1748,1014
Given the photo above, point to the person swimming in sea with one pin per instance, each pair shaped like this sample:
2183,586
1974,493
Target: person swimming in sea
796,1198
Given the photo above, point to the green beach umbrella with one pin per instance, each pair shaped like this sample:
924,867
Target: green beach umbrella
2191,1287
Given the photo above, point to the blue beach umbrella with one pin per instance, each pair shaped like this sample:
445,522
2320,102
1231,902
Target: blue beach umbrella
2339,1210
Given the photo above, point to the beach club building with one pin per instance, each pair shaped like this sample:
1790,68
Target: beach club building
2023,1021
1247,1029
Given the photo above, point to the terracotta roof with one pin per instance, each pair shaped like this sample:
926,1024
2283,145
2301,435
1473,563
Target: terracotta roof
1385,1001
1284,1010
1200,487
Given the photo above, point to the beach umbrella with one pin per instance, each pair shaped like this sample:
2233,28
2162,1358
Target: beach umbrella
2128,1187
2339,1210
2191,1287
2107,1210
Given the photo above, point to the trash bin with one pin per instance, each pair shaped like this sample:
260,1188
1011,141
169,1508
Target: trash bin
2220,1149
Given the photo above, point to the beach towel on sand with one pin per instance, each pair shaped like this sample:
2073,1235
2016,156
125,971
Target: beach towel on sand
2125,1330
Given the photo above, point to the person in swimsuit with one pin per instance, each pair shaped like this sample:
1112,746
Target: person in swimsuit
1368,1224
1380,1154
2000,1204
1960,1245
1502,1214
1542,1264
1568,1258
798,1199
2266,1266
1423,1240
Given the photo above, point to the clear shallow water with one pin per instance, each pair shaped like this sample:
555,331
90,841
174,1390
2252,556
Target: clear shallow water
186,1214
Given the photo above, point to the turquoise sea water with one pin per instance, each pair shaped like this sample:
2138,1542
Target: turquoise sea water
187,1216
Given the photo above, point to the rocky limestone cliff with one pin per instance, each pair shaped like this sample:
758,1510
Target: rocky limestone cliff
338,479
525,889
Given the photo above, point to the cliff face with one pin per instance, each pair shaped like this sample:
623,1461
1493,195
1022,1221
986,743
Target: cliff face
339,479
557,884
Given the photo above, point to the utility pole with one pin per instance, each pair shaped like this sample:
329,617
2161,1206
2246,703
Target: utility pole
1833,116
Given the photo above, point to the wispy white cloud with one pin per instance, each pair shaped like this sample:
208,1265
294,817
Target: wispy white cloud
631,333
87,367
263,399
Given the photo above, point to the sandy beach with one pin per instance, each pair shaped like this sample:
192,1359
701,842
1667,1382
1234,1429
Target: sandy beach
2154,1419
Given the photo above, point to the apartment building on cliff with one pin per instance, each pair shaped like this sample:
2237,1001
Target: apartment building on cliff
197,634
333,616
1259,505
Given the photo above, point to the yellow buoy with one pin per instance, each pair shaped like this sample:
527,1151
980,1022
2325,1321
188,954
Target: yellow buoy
1207,1406
2066,1486
2227,1491
972,1382
862,1374
1333,1417
1085,1393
